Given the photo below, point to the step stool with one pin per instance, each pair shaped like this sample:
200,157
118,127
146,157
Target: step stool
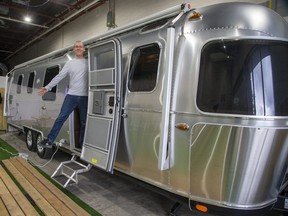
67,172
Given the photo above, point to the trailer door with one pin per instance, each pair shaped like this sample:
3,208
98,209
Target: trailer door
104,105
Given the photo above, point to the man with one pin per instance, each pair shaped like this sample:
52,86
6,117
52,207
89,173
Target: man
77,96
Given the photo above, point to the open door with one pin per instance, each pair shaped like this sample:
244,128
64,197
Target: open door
104,105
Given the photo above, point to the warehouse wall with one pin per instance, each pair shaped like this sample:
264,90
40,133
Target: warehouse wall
94,23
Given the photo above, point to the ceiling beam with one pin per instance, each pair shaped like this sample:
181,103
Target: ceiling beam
62,4
21,9
5,51
23,22
52,28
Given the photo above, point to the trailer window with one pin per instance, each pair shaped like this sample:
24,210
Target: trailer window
19,84
49,75
144,68
246,77
30,82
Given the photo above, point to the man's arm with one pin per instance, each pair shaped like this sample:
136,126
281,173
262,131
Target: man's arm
63,73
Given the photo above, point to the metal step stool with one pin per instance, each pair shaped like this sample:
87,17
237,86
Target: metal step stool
67,172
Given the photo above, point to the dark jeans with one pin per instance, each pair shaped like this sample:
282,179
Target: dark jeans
68,106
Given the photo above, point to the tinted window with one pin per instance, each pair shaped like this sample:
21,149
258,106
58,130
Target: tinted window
246,77
30,82
49,75
144,68
19,83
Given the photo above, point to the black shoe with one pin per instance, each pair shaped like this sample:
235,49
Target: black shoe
45,144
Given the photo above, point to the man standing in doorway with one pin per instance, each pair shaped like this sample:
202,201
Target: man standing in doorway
77,96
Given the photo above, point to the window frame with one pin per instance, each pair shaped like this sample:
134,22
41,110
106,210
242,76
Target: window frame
50,95
19,83
131,74
261,45
30,85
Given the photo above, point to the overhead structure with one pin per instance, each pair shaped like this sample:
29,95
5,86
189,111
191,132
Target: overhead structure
46,17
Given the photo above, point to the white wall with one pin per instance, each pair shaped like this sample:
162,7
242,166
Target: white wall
94,23
2,81
88,25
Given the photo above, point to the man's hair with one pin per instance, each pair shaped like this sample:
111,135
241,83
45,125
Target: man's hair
78,41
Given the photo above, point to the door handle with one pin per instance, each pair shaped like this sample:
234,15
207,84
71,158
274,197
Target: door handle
43,108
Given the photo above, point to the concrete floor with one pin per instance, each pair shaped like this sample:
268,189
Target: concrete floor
110,195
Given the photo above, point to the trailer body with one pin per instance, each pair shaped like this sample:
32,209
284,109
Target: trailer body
192,101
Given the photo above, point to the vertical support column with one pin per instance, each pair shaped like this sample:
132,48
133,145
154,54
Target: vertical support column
164,149
163,162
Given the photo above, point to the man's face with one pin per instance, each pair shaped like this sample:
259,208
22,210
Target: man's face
79,49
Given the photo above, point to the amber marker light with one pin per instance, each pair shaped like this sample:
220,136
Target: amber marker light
201,208
195,16
182,126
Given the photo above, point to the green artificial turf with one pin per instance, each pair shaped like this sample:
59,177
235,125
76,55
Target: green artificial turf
7,151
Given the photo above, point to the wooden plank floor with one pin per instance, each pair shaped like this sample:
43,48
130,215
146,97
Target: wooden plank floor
41,192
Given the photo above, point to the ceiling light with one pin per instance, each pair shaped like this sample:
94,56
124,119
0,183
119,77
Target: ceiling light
27,19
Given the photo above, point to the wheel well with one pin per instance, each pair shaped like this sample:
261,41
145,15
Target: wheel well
35,131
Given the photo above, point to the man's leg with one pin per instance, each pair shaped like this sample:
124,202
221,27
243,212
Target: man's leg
83,105
67,108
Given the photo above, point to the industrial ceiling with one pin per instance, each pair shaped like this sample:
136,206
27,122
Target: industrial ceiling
47,16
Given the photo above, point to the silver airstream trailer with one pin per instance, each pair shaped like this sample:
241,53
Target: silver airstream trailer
192,101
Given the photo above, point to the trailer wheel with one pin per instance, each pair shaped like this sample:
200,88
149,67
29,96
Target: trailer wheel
30,140
42,152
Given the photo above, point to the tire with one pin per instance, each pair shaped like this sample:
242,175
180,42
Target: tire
30,140
42,152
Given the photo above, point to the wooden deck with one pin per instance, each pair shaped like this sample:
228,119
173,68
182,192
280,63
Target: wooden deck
39,192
